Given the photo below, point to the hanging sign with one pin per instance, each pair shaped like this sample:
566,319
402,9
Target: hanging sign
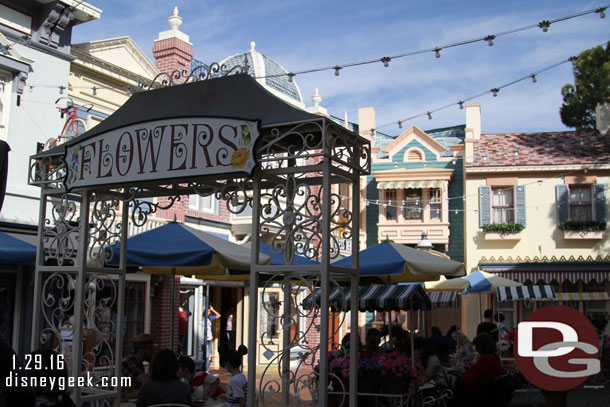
163,149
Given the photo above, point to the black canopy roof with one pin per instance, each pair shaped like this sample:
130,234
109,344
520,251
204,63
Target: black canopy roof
236,96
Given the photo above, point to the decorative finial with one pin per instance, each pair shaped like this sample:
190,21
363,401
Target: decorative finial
175,21
252,46
316,98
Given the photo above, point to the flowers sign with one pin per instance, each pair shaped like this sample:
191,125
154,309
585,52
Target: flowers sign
169,149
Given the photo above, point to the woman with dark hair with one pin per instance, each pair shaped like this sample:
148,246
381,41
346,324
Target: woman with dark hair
424,354
165,386
481,373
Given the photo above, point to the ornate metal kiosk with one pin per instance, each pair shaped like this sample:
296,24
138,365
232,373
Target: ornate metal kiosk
214,134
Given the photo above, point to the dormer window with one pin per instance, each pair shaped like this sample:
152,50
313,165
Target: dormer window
414,155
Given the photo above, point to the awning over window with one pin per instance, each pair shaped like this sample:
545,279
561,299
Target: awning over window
412,184
374,298
534,292
547,272
597,296
446,299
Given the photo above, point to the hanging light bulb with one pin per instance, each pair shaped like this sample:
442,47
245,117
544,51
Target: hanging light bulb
456,211
461,105
429,115
372,133
533,76
290,76
574,61
544,25
464,198
94,91
61,90
128,91
495,91
337,69
601,13
400,124
539,182
490,40
586,170
386,61
437,52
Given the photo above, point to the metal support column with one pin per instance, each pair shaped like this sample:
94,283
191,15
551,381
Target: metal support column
35,339
286,340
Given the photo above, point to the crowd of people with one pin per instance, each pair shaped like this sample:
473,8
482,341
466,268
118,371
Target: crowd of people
447,361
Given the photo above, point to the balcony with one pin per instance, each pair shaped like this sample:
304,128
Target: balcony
410,233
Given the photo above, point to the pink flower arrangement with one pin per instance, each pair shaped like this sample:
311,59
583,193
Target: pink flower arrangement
395,365
340,367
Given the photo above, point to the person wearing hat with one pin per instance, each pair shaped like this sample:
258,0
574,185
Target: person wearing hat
133,365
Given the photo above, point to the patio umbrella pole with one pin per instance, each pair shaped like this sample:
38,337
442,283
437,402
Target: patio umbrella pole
172,316
412,335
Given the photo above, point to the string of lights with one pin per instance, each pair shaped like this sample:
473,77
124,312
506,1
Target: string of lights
489,39
417,202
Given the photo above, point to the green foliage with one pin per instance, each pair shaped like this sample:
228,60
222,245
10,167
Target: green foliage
503,227
584,226
591,86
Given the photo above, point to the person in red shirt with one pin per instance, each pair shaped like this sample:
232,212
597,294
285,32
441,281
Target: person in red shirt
203,385
480,374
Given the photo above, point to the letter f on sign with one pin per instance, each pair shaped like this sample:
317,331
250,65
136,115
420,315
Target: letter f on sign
525,335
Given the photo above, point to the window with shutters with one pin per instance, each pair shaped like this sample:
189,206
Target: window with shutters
503,207
581,205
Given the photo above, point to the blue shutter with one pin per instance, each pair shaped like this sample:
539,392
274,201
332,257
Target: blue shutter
484,205
599,202
562,195
519,196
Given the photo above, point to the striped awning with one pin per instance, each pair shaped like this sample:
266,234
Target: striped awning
443,299
412,184
374,298
534,276
595,296
534,292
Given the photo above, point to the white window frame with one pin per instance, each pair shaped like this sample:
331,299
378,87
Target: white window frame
203,204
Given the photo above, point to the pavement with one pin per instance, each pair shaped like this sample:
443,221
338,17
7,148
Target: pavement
586,395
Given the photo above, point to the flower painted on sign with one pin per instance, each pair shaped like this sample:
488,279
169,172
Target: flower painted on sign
240,158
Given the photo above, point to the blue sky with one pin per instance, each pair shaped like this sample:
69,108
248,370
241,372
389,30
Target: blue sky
309,34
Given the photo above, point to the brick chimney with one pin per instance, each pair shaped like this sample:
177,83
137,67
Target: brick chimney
172,50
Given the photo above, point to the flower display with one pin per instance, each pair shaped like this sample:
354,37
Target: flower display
396,366
339,367
240,158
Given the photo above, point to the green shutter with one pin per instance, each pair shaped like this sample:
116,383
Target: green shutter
484,205
599,202
562,195
519,194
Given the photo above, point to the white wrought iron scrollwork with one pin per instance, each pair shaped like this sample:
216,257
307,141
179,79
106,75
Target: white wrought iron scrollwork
49,171
198,73
141,210
100,300
60,235
351,153
303,379
57,306
279,146
105,229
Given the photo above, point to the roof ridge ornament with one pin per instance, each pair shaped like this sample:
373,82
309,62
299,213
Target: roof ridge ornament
198,73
